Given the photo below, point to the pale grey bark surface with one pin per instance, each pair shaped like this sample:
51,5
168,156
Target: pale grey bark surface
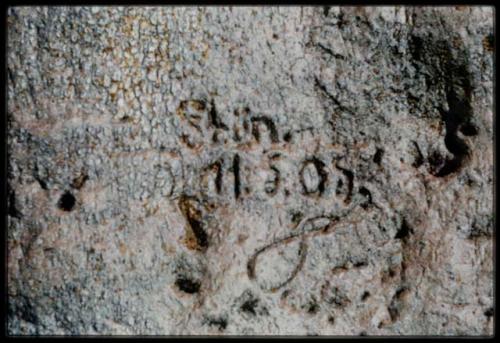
254,171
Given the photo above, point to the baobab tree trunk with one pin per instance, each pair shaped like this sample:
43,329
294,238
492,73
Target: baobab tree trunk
250,170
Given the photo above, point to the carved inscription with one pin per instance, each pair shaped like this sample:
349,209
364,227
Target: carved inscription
202,126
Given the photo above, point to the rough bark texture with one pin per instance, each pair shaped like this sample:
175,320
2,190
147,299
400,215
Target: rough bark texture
319,171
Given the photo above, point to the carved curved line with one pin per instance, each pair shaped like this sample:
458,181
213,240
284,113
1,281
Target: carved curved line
276,180
350,182
172,176
300,264
273,133
302,248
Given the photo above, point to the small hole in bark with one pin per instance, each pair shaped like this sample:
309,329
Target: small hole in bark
187,285
66,202
489,312
366,194
365,295
392,272
377,158
360,264
404,231
249,306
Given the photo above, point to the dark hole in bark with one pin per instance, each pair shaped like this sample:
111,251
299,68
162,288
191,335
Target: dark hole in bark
67,202
221,323
489,312
404,231
377,158
249,306
187,285
366,193
469,129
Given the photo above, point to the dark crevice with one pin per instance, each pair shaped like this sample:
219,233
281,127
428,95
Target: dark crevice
41,182
445,71
360,264
236,171
26,310
322,87
330,52
396,304
393,312
12,209
457,114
